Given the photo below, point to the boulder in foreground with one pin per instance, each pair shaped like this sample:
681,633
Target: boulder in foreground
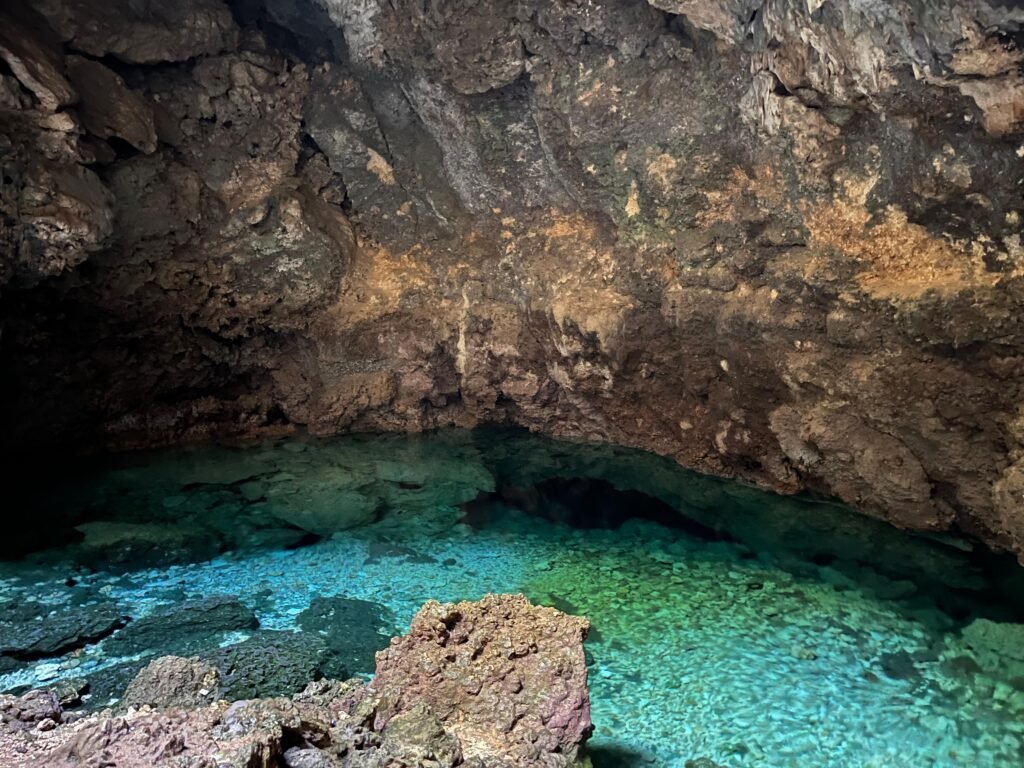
498,683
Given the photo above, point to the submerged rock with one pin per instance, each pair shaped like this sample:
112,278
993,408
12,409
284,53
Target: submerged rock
183,628
123,546
268,664
107,686
530,707
28,635
998,647
352,630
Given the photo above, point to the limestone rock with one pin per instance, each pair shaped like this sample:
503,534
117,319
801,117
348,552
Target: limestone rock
323,507
998,647
27,711
134,545
352,630
485,670
267,664
778,242
530,707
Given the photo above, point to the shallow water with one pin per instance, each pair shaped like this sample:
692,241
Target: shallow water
728,624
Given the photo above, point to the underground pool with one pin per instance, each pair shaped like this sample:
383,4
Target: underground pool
730,627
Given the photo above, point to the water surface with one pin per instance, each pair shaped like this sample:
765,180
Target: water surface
729,625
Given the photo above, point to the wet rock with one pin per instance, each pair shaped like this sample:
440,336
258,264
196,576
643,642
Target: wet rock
899,665
484,669
32,636
125,546
268,664
183,628
107,686
998,647
702,762
352,631
323,508
527,667
171,681
69,691
517,173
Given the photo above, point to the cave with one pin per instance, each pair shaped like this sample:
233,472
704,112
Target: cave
364,361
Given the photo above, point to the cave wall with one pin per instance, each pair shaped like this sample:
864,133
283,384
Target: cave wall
773,239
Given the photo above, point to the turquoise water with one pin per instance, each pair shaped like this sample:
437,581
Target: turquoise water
729,625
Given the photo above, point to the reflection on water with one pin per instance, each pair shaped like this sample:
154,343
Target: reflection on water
730,626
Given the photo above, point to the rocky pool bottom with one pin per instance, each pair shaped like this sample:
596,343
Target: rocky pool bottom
729,626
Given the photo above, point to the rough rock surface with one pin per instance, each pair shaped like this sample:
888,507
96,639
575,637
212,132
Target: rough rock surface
267,664
779,241
183,627
343,724
352,631
31,632
496,672
171,681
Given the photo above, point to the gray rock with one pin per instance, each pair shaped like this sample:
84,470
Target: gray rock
26,711
183,628
27,638
307,758
352,629
268,664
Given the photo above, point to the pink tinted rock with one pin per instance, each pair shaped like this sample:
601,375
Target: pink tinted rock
507,677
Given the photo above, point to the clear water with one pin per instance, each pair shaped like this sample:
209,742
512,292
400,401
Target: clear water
729,625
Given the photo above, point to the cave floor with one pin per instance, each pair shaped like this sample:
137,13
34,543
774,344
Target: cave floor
700,648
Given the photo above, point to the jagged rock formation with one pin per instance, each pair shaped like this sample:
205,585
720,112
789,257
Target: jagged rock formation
775,240
499,673
530,708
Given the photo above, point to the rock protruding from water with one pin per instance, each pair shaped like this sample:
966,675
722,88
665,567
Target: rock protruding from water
496,672
270,663
494,684
353,630
27,632
183,628
171,681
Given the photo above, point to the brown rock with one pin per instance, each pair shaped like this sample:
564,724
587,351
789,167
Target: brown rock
171,681
109,107
34,54
145,32
507,678
776,242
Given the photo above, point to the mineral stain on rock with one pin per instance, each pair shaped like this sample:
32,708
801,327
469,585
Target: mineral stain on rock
778,242
771,241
